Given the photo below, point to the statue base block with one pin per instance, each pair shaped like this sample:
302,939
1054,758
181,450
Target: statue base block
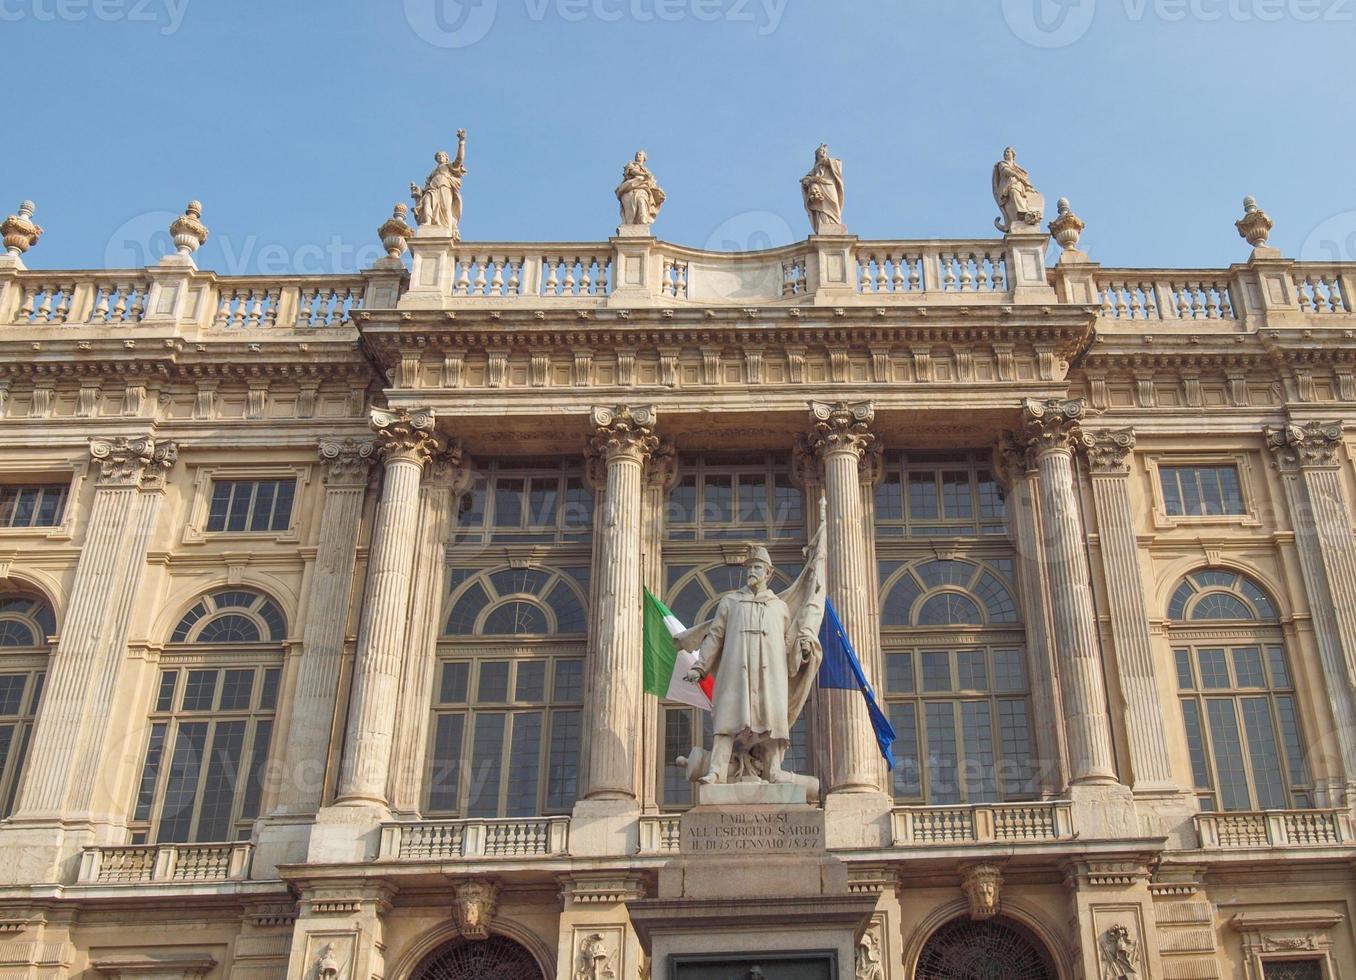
744,794
752,830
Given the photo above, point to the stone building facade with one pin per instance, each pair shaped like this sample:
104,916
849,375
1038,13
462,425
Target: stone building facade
321,601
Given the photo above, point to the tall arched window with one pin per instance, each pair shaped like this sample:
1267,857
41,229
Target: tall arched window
1237,694
956,682
508,694
212,721
987,948
26,624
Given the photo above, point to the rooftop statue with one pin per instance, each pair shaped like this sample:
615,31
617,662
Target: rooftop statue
638,193
438,203
822,191
1022,205
765,653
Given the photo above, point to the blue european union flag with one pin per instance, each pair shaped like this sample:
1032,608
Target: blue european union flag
842,671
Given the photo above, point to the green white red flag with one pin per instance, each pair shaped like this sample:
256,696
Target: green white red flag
667,663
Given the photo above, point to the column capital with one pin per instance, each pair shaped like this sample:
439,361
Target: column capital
347,461
662,471
405,435
838,427
1298,445
1012,459
133,461
623,431
1051,425
451,466
1108,450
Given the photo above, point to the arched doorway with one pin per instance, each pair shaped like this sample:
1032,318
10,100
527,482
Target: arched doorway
992,949
496,958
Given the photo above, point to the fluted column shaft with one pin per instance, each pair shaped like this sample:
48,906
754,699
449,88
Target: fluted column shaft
839,437
623,440
311,722
407,441
64,760
1108,459
1306,455
1049,429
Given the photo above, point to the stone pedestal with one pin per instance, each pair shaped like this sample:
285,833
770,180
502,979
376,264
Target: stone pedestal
752,886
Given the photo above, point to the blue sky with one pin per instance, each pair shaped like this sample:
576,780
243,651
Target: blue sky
299,124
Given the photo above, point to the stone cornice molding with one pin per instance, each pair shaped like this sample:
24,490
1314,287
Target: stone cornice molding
1051,425
347,462
840,427
1108,451
133,461
1300,445
623,431
405,435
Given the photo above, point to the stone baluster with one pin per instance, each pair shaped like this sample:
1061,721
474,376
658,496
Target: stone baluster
623,440
840,437
1016,467
1306,454
1049,429
346,467
65,759
447,478
407,441
1109,454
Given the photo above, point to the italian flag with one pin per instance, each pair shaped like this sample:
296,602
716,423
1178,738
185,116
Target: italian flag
666,663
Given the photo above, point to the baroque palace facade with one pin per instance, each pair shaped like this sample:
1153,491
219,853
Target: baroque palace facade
320,631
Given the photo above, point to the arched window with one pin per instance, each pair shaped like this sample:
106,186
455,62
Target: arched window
212,721
984,948
26,623
509,693
956,682
496,957
1237,694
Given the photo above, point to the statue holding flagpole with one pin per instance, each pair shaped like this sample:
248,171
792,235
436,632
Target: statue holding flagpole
764,652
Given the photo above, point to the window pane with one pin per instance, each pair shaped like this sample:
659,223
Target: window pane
899,673
262,518
254,783
221,499
569,682
1214,669
788,511
1017,763
531,683
1248,667
445,764
1228,752
237,690
936,672
268,696
487,763
524,765
508,502
943,785
922,496
150,773
223,771
1280,673
1290,738
164,700
1264,754
683,501
282,505
238,514
563,766
543,501
716,504
12,693
977,732
908,778
971,672
1200,769
1009,671
181,786
956,502
493,682
1185,681
752,498
200,691
678,741
452,690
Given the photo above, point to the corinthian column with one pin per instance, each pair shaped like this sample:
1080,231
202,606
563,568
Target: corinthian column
1109,453
840,436
65,759
623,440
1306,456
346,467
1049,429
406,441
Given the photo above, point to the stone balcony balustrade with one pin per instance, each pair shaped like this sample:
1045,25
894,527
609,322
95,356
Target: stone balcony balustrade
1274,828
440,840
141,864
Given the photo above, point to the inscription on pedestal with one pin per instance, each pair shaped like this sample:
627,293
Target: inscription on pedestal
752,830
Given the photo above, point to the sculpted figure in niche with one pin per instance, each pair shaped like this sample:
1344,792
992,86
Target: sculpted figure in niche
1022,205
822,191
327,968
595,959
1119,951
438,203
638,194
764,651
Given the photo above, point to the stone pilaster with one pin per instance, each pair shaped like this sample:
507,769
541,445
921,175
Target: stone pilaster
1306,454
1109,453
341,926
68,747
446,479
406,441
840,438
660,478
1016,467
1049,429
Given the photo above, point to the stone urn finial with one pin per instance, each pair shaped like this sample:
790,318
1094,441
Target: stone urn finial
1067,226
20,232
1255,225
188,231
394,233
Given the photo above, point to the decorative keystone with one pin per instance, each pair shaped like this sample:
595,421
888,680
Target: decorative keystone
1255,225
188,231
20,232
1067,227
395,232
